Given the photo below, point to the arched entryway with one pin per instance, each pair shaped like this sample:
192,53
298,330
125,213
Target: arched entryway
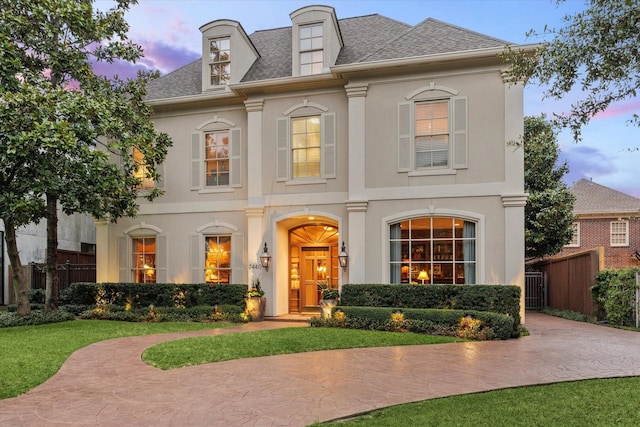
313,259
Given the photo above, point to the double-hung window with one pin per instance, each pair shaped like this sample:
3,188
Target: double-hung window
311,49
575,237
220,61
216,153
140,170
306,147
143,262
217,259
619,233
216,158
432,134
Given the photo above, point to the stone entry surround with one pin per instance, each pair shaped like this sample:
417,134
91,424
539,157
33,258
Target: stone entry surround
107,384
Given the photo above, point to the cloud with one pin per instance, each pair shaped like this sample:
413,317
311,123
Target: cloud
587,162
620,109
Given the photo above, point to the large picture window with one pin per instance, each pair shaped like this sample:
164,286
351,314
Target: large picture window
143,262
217,259
433,250
216,158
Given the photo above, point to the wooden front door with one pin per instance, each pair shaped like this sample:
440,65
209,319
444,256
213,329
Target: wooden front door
316,266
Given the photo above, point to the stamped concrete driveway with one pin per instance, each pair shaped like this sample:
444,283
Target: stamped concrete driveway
107,384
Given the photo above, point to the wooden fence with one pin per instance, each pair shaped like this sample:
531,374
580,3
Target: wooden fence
569,280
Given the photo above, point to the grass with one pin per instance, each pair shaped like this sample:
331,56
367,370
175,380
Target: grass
194,351
606,402
29,355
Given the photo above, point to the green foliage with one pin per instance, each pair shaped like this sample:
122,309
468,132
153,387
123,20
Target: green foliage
549,209
615,293
459,323
36,296
595,55
37,317
490,298
66,134
140,295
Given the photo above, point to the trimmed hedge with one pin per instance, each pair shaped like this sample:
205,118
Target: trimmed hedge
142,295
470,324
482,298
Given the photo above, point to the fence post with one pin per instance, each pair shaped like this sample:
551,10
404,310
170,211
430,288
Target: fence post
67,267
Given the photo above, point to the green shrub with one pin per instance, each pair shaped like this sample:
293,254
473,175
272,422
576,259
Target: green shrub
469,324
483,298
8,319
614,294
141,295
37,296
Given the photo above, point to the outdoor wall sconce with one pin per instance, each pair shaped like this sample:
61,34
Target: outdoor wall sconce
343,257
265,258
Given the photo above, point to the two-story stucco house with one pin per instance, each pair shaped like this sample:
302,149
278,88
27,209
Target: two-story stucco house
388,137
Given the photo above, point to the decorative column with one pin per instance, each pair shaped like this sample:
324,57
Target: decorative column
514,198
102,254
357,203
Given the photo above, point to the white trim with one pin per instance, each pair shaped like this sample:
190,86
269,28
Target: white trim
305,104
433,211
626,233
215,119
303,181
576,233
142,226
432,86
217,223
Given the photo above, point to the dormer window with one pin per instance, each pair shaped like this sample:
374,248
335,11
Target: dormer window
311,49
220,61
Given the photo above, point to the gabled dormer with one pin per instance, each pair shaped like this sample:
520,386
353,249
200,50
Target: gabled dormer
316,40
227,54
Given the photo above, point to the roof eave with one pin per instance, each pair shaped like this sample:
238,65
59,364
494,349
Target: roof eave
473,54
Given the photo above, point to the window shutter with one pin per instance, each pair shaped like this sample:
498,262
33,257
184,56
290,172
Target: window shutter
196,163
460,146
235,157
282,155
124,259
404,136
196,253
160,182
328,145
237,258
161,259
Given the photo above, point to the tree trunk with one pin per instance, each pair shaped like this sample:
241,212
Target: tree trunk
51,303
19,280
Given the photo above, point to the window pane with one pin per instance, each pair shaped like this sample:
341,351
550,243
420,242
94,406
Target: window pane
217,259
144,259
445,259
305,44
305,147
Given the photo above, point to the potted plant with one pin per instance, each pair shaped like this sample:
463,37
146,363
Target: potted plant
255,302
328,298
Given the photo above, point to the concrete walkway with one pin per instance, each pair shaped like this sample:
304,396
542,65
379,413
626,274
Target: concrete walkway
107,384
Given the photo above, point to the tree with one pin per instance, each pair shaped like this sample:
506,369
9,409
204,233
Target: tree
62,126
596,52
549,210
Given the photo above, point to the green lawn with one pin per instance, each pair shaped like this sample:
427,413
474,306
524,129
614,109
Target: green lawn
194,351
29,355
608,402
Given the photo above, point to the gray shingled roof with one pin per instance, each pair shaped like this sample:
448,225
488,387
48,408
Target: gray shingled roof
592,198
366,39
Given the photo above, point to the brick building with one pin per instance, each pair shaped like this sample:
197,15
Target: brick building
606,218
